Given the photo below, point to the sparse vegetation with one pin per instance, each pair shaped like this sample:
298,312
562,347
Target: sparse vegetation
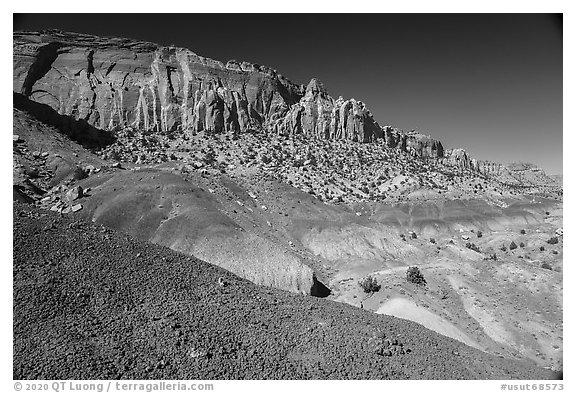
444,294
415,276
552,240
522,231
432,240
473,247
369,284
503,248
479,234
79,174
546,265
522,245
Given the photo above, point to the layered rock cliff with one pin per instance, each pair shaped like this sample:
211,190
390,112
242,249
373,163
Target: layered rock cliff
113,83
318,115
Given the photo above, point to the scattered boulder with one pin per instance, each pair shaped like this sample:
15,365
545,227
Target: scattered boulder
74,193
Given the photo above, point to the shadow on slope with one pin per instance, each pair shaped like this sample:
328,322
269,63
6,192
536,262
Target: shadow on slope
78,130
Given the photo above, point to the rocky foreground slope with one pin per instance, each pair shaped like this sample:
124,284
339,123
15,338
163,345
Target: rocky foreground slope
93,303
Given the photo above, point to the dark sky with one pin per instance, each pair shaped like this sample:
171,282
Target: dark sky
490,83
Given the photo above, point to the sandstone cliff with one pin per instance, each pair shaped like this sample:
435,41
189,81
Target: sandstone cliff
112,82
318,115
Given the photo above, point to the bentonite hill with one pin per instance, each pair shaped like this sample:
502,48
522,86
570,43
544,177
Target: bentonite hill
166,205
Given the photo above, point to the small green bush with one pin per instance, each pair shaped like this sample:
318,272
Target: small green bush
370,284
415,276
79,174
473,247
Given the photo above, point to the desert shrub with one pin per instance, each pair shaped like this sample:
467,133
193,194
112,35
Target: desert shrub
369,284
473,247
542,248
209,157
522,245
546,265
522,231
493,257
513,246
555,252
479,234
403,237
415,276
432,240
413,235
444,294
79,174
552,240
113,155
503,248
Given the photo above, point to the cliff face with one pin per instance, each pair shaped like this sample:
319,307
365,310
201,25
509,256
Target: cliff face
113,83
118,83
320,116
459,158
